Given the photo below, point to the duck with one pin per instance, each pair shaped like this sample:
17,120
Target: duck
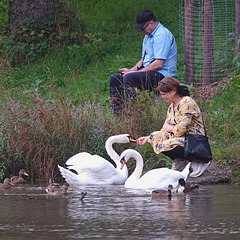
159,193
19,179
55,189
94,169
159,178
52,184
183,188
6,184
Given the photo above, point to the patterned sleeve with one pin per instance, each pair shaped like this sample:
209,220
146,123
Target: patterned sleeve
184,115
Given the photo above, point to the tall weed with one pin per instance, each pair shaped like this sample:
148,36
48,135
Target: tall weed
42,133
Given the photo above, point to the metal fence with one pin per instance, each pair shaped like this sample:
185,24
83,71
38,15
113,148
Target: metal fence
206,39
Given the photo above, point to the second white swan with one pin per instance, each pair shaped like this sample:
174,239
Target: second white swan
159,178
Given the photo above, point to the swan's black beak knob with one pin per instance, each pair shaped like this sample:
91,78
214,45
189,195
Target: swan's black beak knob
132,140
123,162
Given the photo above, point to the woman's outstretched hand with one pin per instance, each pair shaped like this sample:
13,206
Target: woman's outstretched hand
142,140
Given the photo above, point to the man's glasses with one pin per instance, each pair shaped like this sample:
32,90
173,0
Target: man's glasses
144,27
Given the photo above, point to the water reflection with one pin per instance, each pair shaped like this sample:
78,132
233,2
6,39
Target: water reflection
113,212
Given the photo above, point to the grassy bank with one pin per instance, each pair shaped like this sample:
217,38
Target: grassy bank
58,106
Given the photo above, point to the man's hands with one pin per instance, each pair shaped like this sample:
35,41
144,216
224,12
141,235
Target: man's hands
124,71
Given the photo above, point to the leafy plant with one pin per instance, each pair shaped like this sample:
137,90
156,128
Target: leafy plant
3,16
2,170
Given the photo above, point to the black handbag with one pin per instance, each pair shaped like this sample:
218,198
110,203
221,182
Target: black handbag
196,147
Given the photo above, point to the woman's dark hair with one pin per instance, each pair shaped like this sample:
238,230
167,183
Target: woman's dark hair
183,91
168,84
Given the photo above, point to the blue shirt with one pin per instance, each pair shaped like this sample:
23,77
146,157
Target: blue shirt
161,44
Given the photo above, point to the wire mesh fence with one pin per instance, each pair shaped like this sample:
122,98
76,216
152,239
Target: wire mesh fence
206,39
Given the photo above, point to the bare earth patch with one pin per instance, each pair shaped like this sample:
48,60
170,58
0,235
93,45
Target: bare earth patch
207,92
214,174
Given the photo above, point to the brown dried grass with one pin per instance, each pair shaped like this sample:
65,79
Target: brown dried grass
38,134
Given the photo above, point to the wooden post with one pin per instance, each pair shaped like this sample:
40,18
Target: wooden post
208,42
189,41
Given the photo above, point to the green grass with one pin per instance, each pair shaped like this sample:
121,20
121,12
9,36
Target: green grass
224,123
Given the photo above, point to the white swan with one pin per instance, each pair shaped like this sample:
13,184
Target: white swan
93,169
159,178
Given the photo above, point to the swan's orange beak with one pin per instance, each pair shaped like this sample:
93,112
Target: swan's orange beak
123,162
132,140
26,174
11,183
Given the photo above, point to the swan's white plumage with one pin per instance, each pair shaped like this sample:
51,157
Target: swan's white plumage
158,178
93,169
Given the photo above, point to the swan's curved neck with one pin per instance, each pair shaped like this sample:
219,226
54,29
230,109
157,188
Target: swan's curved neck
123,138
130,153
186,171
114,156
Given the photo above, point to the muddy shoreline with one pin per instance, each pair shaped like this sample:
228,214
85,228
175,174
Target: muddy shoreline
214,174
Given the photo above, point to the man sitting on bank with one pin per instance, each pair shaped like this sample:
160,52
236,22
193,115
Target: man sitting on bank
159,60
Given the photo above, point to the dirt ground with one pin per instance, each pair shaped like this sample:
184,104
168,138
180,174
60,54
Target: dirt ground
207,92
214,174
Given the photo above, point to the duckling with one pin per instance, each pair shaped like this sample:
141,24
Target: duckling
6,184
57,189
19,179
52,185
160,193
183,188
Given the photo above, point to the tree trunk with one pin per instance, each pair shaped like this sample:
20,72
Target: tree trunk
38,10
208,42
189,41
237,26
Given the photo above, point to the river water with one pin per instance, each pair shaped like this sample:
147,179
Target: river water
113,212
